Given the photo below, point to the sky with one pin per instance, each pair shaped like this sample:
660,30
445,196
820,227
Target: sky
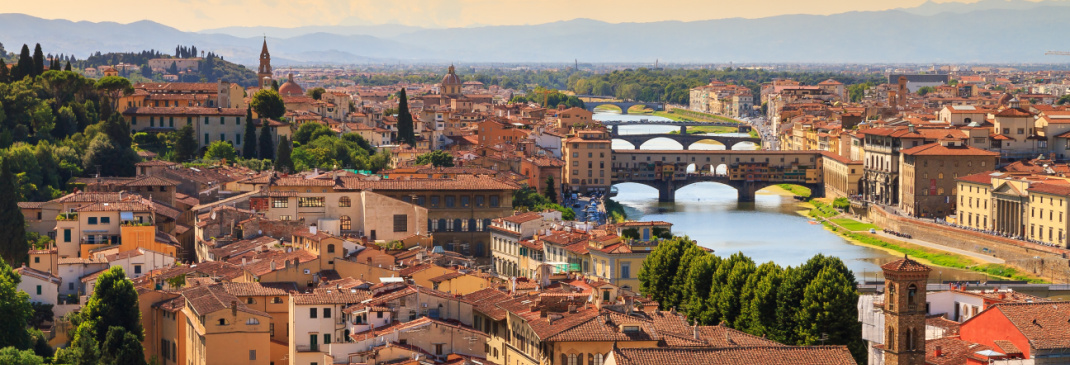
194,15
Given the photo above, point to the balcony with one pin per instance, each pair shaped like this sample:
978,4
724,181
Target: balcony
308,348
67,217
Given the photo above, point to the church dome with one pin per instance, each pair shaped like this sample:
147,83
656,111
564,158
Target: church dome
451,78
291,88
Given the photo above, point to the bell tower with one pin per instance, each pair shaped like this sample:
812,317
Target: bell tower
904,312
264,72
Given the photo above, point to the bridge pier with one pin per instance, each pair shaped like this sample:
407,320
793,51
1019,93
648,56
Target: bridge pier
666,191
616,130
746,192
683,130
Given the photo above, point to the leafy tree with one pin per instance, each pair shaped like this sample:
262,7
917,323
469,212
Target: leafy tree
13,246
284,163
1064,99
116,128
925,90
114,87
311,131
268,104
436,158
828,308
113,304
249,148
15,305
528,198
266,150
121,347
551,189
691,252
186,146
406,131
38,60
41,347
220,150
12,356
699,283
66,123
316,93
791,290
83,349
658,271
109,158
725,302
758,297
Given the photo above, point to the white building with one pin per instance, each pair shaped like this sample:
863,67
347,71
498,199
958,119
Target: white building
43,287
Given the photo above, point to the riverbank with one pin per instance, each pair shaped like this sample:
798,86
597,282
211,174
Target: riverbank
926,255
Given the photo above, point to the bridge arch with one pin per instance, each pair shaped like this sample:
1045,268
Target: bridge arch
678,144
607,105
706,145
622,144
745,146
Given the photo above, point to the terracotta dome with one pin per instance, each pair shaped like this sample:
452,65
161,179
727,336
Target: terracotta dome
291,88
451,78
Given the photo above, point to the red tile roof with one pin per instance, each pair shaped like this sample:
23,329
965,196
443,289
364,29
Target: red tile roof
937,149
765,355
905,264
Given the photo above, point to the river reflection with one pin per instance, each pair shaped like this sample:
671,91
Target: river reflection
770,229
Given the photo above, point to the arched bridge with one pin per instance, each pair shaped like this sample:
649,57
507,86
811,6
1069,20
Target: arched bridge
682,138
747,171
623,105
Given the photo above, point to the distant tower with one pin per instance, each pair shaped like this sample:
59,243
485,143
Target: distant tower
264,73
903,91
904,312
451,83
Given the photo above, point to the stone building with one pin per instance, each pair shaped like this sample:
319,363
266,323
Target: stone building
588,161
928,173
904,312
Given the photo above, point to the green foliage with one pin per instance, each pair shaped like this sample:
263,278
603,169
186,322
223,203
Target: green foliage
268,104
925,90
311,131
406,131
551,189
40,344
121,347
265,149
283,162
615,211
13,356
552,98
1064,99
15,305
82,351
186,145
41,312
822,210
13,245
796,189
220,150
114,87
316,93
794,306
249,148
437,158
841,203
528,198
109,158
113,304
329,152
858,91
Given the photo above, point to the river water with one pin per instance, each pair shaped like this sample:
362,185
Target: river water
770,229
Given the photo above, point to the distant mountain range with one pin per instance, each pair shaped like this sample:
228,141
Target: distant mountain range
989,31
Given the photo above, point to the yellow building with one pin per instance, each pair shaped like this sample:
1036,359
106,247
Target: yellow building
1035,207
460,283
220,329
270,298
842,175
974,193
588,161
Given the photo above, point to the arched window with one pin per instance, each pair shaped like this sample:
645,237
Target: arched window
912,291
441,225
472,225
572,359
597,359
347,223
486,224
910,339
345,202
457,225
891,338
252,321
330,248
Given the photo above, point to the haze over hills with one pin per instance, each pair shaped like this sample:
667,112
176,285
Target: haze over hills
938,33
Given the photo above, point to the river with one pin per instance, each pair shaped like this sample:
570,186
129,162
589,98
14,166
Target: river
770,229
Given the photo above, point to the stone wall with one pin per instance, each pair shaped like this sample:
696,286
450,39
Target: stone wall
1048,262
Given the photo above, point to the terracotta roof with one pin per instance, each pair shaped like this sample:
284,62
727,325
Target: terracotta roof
344,296
263,261
905,264
937,149
185,111
460,182
1014,112
765,355
1043,324
26,271
209,299
447,276
486,301
953,351
523,217
220,269
979,178
1055,189
30,205
260,289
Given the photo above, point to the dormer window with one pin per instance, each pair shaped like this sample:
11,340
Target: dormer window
629,329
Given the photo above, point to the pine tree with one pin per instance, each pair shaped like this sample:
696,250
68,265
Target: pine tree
758,298
680,293
25,66
249,148
266,150
13,246
659,269
829,308
283,162
121,347
728,282
406,131
700,280
173,69
38,60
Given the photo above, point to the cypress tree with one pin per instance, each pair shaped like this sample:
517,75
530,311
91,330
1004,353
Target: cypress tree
5,76
275,85
13,246
406,133
186,147
266,150
68,68
25,66
283,162
249,148
38,60
551,190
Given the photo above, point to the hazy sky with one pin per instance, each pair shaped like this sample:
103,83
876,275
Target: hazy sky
206,14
